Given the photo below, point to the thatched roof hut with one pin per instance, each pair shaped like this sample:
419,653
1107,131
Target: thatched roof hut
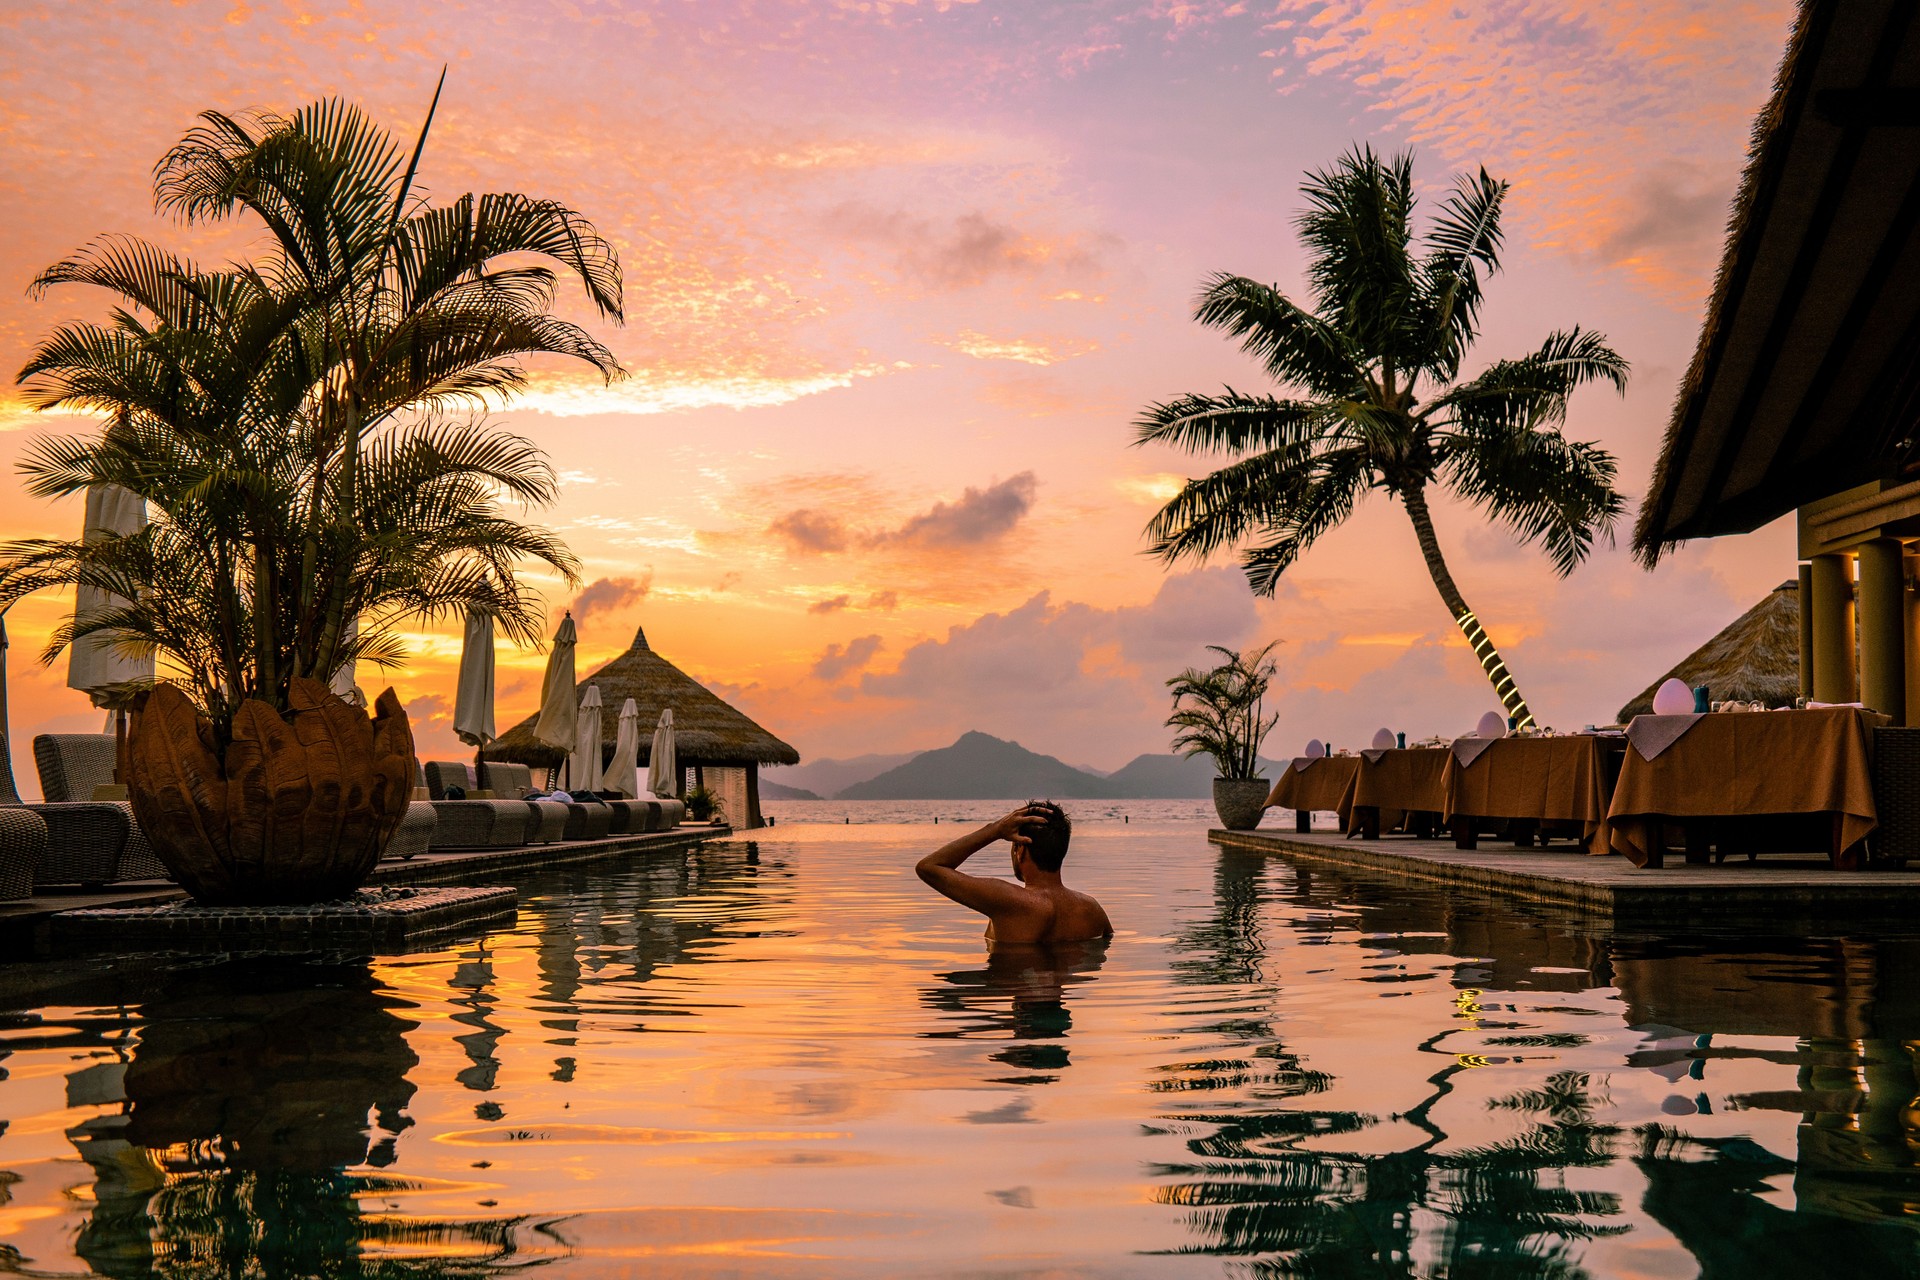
1805,378
707,731
1757,657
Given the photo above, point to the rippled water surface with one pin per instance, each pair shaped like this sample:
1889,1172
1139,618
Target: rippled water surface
785,1057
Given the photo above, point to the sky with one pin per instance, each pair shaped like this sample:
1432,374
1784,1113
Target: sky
899,276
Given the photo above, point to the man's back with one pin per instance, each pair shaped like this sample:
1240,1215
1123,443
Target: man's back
1038,909
1056,914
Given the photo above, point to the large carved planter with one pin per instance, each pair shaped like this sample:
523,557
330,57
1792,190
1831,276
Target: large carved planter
297,811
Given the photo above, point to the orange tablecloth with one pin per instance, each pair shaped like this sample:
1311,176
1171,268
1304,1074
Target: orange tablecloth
1409,778
1325,786
1758,762
1547,779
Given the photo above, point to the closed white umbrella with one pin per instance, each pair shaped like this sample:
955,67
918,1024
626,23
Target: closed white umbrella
663,767
93,663
346,676
583,768
623,773
558,725
473,699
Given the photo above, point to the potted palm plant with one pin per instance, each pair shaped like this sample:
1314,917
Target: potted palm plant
1221,712
288,423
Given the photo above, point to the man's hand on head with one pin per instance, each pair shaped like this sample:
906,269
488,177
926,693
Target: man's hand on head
1013,827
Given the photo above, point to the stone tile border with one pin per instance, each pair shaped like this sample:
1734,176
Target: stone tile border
26,926
380,921
1611,891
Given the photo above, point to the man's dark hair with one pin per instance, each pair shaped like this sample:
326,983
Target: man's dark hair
1047,841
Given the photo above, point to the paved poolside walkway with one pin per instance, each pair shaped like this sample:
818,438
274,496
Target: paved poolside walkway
1788,890
23,920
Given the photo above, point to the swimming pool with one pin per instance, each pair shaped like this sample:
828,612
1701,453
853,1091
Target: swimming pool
785,1057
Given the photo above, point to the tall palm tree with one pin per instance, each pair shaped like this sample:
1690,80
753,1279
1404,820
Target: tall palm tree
308,428
1375,402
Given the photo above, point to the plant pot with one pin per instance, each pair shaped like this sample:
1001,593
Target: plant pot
298,809
1239,802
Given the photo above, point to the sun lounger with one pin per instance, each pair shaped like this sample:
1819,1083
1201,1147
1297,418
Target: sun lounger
84,841
469,824
23,846
415,832
72,766
546,819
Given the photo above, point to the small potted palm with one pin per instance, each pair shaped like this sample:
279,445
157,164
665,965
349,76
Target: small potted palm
1221,712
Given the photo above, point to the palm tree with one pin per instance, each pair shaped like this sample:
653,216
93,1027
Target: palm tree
1375,401
293,423
309,433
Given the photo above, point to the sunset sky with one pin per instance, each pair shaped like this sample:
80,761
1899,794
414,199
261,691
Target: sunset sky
898,278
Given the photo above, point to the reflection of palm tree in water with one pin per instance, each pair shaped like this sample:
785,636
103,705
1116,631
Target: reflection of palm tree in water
245,1104
1263,1188
1019,995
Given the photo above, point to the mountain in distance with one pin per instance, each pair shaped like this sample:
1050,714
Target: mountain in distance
774,791
826,777
1158,775
981,767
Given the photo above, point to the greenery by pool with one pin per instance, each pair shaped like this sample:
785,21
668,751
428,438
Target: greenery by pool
785,1057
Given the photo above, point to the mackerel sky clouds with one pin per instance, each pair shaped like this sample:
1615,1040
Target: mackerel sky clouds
898,277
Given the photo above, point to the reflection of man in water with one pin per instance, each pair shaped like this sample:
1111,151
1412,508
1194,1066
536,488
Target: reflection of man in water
1038,909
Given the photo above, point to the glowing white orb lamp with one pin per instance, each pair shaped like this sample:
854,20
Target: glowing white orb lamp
1492,725
1315,749
1382,739
1673,698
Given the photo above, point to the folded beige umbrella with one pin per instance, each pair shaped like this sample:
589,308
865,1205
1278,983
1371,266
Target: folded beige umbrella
583,766
663,765
346,676
623,773
558,725
94,665
473,699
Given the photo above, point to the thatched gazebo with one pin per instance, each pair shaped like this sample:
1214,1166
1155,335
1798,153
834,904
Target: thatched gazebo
720,746
1757,657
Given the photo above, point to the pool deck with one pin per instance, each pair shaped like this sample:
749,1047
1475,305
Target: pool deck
1789,890
25,930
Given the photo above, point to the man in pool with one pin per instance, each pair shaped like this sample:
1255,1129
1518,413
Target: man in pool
1038,909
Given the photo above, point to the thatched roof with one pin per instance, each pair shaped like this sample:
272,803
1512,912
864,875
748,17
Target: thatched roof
706,730
1807,373
1756,657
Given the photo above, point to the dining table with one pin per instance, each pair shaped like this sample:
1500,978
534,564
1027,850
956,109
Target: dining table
1316,784
1392,783
1728,779
1536,785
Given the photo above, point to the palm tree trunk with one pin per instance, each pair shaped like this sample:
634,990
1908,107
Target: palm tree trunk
1482,644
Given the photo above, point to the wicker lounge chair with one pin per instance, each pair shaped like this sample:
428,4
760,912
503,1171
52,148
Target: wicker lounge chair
23,846
71,767
415,833
546,819
468,824
84,841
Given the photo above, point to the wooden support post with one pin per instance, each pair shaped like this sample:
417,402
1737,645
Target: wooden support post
1464,836
1302,821
1883,629
1835,675
1806,630
1367,817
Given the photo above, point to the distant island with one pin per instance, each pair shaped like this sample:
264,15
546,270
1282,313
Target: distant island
979,766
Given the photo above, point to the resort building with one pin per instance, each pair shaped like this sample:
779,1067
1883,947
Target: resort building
718,746
1804,393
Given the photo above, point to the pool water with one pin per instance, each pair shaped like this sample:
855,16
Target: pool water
786,1057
